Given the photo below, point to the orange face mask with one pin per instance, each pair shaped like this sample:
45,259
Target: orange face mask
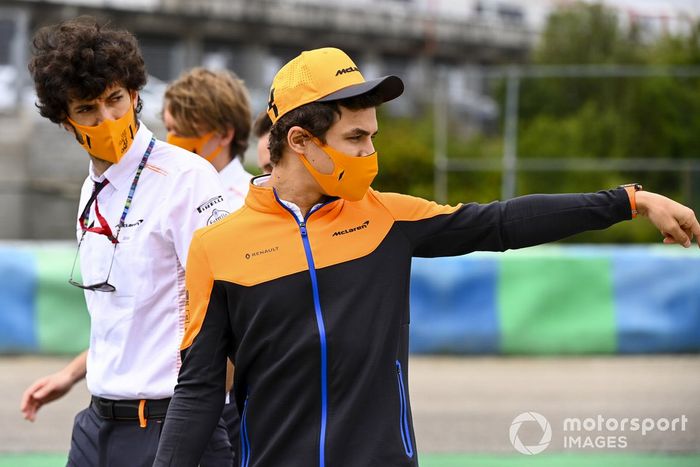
109,140
194,144
351,176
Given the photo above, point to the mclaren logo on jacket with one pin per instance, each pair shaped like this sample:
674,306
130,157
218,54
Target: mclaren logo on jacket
351,230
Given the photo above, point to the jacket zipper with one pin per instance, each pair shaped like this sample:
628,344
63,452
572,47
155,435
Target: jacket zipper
321,327
245,443
405,430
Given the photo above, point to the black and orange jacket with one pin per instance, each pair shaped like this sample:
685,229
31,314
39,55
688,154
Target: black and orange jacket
314,314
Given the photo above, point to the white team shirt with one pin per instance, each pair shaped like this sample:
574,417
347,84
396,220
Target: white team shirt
136,331
236,181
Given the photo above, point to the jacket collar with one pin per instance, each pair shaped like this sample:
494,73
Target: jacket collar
264,199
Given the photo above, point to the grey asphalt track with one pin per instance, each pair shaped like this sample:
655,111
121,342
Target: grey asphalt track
460,404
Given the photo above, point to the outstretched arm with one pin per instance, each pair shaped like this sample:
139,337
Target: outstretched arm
529,220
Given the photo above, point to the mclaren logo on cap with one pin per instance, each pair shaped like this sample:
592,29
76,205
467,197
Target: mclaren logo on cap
342,71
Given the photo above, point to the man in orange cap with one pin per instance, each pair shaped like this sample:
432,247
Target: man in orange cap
313,309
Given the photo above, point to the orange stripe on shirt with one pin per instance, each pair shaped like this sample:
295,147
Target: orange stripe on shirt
157,169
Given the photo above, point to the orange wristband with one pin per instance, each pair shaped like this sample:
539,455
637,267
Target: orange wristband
632,189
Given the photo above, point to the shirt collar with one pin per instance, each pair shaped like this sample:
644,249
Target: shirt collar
260,179
121,174
233,169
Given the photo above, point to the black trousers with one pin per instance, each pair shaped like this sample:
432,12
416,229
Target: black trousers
99,442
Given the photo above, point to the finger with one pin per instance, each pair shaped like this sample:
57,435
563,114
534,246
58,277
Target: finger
690,223
41,393
27,394
668,238
689,236
24,403
29,412
689,233
677,233
695,228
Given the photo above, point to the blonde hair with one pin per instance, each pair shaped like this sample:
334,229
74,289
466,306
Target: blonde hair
202,100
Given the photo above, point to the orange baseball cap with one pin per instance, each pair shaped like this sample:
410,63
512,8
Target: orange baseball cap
322,75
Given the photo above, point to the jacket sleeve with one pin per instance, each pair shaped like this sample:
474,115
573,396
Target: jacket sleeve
200,392
436,230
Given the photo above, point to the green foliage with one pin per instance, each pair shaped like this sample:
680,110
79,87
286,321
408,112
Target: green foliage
406,160
405,148
574,117
587,34
608,118
477,186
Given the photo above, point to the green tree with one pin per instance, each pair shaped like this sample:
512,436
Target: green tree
610,118
573,117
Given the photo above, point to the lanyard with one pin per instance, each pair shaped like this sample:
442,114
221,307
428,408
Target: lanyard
104,228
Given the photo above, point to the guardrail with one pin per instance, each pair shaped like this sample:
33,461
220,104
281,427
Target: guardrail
547,300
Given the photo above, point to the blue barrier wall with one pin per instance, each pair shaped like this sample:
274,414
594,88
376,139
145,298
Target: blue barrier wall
544,300
559,300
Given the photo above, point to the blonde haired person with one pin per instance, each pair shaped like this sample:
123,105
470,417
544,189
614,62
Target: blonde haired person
208,113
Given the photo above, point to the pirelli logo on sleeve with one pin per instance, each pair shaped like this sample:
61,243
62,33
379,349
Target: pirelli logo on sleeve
208,204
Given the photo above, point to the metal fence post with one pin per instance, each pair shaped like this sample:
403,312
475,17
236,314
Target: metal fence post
440,161
510,135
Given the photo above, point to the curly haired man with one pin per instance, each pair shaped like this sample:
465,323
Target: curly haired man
139,206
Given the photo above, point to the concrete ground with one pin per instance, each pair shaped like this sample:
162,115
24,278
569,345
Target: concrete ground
466,404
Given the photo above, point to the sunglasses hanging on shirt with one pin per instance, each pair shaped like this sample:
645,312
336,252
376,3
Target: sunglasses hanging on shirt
104,228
